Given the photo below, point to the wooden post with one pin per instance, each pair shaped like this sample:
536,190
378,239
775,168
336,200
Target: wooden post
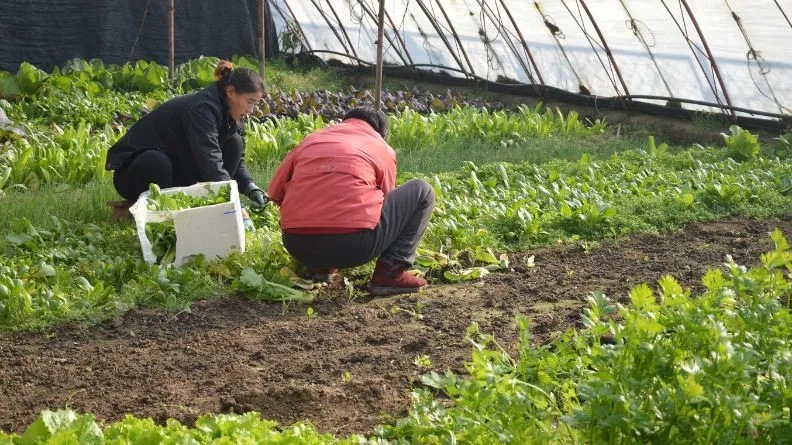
262,41
171,40
380,38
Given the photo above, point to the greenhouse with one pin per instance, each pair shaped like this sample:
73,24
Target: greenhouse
395,221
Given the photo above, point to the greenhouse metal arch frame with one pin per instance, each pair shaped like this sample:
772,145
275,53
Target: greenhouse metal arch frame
650,56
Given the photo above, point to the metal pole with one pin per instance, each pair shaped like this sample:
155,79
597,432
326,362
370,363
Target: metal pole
332,28
343,30
399,37
380,38
711,57
639,35
507,39
393,44
607,49
783,13
524,43
456,36
171,40
693,48
296,22
560,46
439,31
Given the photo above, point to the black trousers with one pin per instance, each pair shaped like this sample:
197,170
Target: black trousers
405,215
155,167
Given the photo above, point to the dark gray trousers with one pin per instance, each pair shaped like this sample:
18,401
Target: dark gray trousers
405,215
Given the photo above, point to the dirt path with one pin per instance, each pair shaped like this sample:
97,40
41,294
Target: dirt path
236,355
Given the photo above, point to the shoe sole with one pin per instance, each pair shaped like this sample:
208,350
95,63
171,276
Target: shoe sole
324,278
382,291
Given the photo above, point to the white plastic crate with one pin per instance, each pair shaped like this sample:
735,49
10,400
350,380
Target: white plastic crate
213,231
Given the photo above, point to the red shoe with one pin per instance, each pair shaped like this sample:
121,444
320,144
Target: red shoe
323,275
393,279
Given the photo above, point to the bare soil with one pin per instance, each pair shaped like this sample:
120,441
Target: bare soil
351,366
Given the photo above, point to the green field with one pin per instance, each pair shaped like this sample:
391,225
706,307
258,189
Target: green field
709,368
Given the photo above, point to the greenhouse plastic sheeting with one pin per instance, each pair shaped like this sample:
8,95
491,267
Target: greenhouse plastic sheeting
47,33
656,46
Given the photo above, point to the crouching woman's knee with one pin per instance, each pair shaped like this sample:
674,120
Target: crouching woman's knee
424,191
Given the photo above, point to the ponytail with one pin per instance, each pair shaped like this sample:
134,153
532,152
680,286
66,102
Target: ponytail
244,80
223,69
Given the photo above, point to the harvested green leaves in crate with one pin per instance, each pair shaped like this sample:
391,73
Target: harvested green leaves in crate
162,235
180,200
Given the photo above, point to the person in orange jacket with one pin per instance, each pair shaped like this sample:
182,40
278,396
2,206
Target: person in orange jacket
340,206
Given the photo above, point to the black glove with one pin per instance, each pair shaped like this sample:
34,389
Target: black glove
258,199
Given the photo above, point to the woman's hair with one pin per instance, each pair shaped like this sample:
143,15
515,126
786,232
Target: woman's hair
244,80
377,119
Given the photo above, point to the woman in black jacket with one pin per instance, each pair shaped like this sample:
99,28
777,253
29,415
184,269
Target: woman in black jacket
192,138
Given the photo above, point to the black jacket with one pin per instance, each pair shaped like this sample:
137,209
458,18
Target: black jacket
190,130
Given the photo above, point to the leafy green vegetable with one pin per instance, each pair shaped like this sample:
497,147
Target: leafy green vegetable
75,156
710,369
468,274
198,73
63,426
88,91
162,235
9,85
182,200
30,78
68,427
741,145
252,281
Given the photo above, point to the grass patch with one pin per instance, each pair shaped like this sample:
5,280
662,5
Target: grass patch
280,75
86,203
454,154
